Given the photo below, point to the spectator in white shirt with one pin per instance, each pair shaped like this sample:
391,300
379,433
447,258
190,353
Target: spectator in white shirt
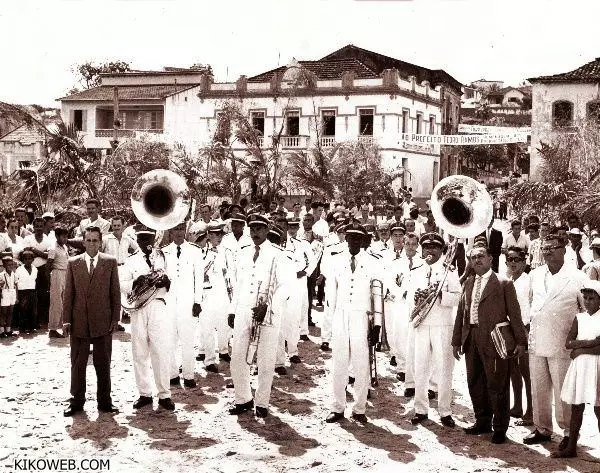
519,368
49,223
320,227
39,244
12,241
25,278
515,238
582,252
94,219
407,206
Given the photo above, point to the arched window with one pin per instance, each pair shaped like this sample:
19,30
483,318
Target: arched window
562,113
593,112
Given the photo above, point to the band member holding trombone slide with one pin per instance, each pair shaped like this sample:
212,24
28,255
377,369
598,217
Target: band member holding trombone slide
263,281
351,305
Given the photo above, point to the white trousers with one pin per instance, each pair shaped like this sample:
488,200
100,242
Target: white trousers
433,354
290,323
327,314
303,289
151,340
350,349
183,333
58,279
409,380
265,359
396,326
213,322
547,377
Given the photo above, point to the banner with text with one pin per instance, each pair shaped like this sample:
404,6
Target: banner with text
462,140
485,129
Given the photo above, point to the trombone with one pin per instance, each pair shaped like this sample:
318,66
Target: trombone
377,307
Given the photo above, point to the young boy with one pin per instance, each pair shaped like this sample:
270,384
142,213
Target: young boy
25,276
58,257
8,296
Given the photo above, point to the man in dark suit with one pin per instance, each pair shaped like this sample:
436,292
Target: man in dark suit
91,310
494,241
487,299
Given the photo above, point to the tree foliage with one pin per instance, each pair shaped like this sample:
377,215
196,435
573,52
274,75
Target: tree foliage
88,73
485,157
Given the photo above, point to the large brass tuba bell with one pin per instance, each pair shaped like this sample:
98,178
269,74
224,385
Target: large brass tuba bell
160,199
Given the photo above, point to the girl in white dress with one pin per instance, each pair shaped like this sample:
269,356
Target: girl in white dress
582,381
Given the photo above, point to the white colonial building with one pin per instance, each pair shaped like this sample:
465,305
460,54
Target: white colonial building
562,102
350,95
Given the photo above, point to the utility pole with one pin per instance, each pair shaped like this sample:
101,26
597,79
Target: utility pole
116,121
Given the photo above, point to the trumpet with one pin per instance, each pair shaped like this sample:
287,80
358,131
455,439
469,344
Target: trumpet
254,331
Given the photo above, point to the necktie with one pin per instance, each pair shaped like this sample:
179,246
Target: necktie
257,249
91,267
476,298
147,256
353,263
397,254
178,251
410,262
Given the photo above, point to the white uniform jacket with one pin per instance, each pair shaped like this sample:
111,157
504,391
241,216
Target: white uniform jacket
443,312
136,266
186,274
303,254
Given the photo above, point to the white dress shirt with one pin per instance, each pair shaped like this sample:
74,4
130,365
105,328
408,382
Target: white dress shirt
523,288
484,280
521,242
120,249
89,259
24,279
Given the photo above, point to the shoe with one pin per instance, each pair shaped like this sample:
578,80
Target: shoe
401,377
120,328
175,381
304,338
334,417
225,357
55,334
125,316
212,368
189,383
241,408
319,305
477,429
325,346
200,357
563,443
448,421
431,394
295,359
362,418
499,437
409,392
351,380
393,361
142,401
418,418
262,412
518,413
280,370
3,335
109,409
71,410
536,437
311,323
167,404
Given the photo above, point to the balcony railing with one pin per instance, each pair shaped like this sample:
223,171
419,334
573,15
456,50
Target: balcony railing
294,141
365,139
327,141
109,133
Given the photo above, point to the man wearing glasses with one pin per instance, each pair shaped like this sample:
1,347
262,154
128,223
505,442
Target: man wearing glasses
556,299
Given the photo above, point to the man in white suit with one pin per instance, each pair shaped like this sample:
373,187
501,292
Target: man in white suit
556,299
185,268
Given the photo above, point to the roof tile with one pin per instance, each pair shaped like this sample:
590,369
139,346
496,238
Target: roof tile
324,70
24,135
129,92
585,73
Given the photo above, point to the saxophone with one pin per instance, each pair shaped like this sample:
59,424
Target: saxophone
144,288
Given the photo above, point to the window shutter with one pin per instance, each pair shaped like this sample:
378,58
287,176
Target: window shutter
84,120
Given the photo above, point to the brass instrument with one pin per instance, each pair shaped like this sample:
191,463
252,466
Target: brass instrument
160,200
463,208
377,307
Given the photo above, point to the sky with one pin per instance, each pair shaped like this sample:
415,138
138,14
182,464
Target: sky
41,41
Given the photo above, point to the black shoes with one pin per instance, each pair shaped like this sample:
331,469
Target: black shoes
262,412
362,418
536,437
401,377
71,410
304,338
55,334
109,409
241,408
120,328
448,421
189,383
431,394
351,380
334,417
311,323
175,381
564,443
418,418
393,361
212,368
280,370
409,392
225,357
295,359
325,346
499,437
477,429
142,401
200,357
167,404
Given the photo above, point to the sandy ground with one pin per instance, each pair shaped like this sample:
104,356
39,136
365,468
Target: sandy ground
200,436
